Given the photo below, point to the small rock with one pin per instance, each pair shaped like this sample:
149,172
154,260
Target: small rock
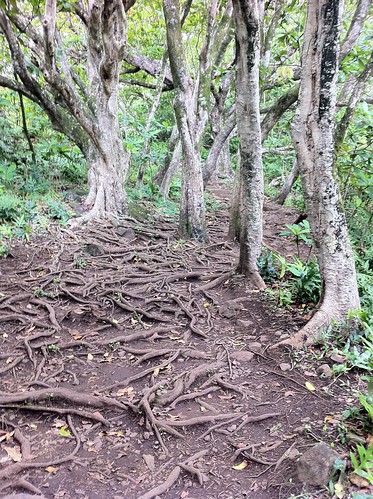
244,324
337,358
325,371
285,366
284,336
255,346
125,233
316,466
242,355
263,338
93,249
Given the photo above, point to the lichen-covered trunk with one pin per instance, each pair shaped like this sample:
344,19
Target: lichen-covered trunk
192,208
313,137
107,165
248,125
108,161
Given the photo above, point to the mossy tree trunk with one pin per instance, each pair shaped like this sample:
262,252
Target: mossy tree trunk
248,125
192,209
313,138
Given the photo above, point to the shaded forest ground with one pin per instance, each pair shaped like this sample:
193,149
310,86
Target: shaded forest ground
130,358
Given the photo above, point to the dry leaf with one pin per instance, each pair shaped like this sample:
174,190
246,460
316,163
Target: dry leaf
184,494
14,453
149,461
89,356
358,481
241,466
310,386
156,371
51,469
338,490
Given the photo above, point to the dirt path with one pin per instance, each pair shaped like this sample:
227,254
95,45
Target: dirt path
130,360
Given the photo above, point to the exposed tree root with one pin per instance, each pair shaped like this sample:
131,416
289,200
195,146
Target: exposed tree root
165,486
16,468
64,394
95,416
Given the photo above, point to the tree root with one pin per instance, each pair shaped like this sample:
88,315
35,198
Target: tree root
16,468
96,416
165,486
64,394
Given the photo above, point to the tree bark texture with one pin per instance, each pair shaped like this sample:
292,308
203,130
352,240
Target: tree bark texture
192,209
108,160
87,114
313,138
248,125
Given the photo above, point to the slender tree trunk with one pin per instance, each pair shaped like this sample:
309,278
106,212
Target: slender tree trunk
313,138
248,125
192,209
289,182
153,110
169,173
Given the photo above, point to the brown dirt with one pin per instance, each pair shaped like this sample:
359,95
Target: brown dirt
132,359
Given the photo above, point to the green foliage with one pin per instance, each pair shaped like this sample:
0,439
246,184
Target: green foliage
362,462
297,281
298,232
9,207
306,281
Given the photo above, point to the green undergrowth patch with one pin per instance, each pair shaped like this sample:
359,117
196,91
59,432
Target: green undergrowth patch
21,216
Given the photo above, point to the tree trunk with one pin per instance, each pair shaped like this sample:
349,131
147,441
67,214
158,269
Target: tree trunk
248,125
289,182
109,161
192,209
313,138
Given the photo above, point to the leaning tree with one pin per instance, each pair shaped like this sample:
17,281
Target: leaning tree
313,137
81,102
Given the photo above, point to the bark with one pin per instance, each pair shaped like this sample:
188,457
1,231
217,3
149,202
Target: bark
360,15
192,209
108,160
88,114
289,182
248,124
173,166
217,39
353,100
314,142
217,146
153,110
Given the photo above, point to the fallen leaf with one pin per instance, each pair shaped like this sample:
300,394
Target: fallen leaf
7,436
64,432
149,461
310,386
241,466
358,480
184,494
13,452
338,490
156,371
89,356
51,469
59,423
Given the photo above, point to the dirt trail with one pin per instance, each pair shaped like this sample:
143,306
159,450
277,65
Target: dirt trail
132,360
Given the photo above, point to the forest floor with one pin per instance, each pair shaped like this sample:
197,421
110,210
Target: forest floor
131,359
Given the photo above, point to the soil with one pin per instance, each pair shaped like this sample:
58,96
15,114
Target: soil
134,364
